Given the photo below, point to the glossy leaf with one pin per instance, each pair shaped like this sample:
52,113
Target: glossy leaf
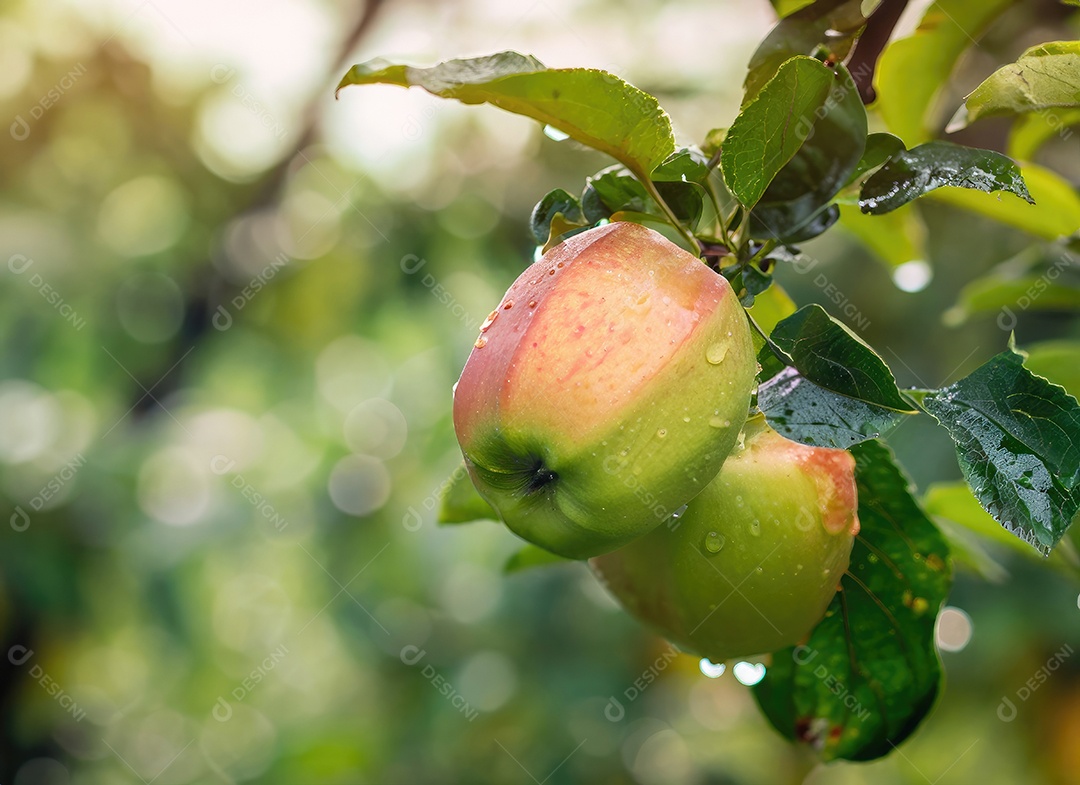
833,23
829,389
771,128
1017,439
1043,77
869,672
830,355
811,414
879,149
913,70
913,173
796,204
591,106
557,202
460,503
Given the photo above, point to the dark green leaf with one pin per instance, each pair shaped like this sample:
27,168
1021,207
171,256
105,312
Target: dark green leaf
912,173
554,203
772,127
532,556
807,413
1044,77
830,389
913,70
832,23
613,190
593,107
685,165
460,503
879,149
869,673
1018,442
817,225
791,207
830,355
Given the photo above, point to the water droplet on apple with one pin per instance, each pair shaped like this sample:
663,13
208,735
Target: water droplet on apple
714,542
686,419
719,422
490,320
755,528
759,570
532,303
716,353
661,433
481,342
560,264
509,304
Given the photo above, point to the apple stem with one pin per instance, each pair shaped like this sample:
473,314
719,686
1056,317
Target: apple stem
695,244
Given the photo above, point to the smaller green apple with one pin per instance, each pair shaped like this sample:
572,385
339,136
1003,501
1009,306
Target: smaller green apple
755,558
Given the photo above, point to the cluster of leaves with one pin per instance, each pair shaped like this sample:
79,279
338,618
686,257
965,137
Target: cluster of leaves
796,158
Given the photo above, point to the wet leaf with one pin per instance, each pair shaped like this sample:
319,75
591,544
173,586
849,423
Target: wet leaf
557,202
913,173
1017,439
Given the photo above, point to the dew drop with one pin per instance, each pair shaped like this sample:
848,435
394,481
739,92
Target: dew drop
686,419
719,422
716,353
481,342
661,433
714,670
509,304
560,264
714,542
532,303
755,528
490,320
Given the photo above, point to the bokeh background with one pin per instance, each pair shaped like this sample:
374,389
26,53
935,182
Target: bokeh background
232,312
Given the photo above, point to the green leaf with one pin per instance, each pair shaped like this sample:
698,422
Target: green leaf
879,149
557,202
714,139
1056,211
1032,131
912,173
1017,439
532,556
771,128
869,673
786,7
1044,77
460,503
593,107
810,414
616,189
795,205
829,389
896,237
913,70
832,23
826,352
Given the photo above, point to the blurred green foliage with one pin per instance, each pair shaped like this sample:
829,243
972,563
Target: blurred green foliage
224,429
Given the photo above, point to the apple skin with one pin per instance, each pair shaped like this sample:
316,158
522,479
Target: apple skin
756,557
605,391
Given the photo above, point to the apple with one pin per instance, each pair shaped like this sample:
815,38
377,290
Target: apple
605,390
756,556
